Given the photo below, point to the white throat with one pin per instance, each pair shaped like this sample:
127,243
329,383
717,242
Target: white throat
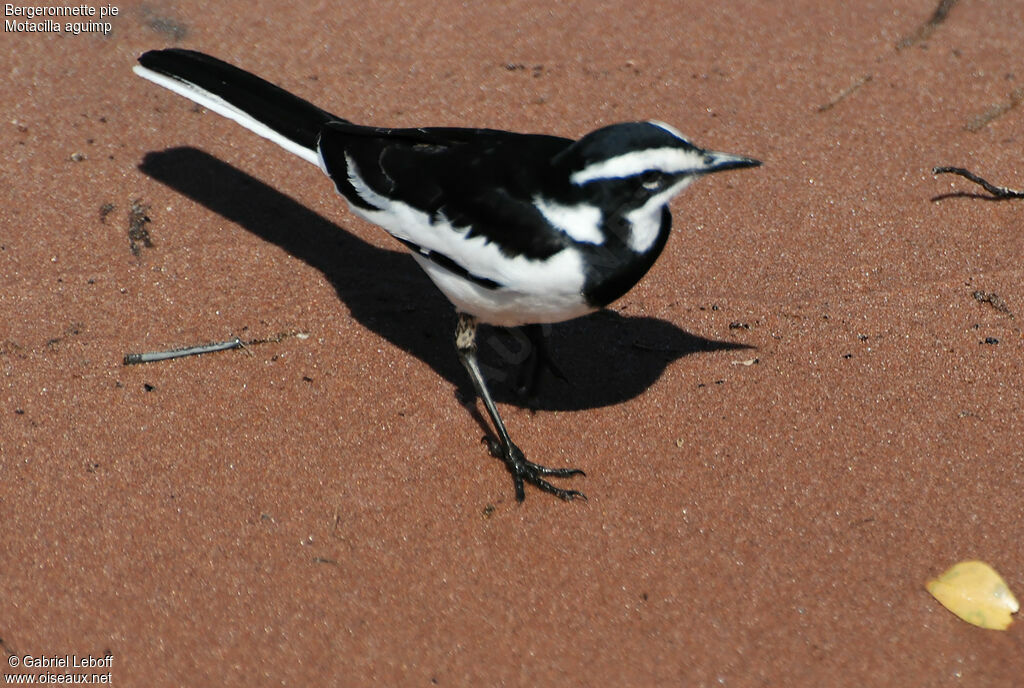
645,221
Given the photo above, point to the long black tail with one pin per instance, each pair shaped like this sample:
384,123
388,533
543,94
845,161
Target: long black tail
256,104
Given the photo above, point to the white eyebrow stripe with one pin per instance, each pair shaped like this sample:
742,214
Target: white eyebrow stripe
669,128
668,160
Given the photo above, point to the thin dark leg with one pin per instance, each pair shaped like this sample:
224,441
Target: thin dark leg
522,469
538,360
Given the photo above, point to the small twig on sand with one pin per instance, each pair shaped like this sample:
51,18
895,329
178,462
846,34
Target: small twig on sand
993,299
996,191
845,93
152,356
981,121
234,343
926,29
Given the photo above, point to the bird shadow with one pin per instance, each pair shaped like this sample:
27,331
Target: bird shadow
971,194
607,357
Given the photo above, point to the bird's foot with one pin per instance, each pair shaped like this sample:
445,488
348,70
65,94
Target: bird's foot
525,471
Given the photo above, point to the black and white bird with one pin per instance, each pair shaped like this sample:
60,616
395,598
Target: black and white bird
517,230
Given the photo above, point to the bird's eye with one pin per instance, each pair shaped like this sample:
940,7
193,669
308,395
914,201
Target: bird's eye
651,180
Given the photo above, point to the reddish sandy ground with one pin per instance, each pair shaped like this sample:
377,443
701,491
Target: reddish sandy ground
320,510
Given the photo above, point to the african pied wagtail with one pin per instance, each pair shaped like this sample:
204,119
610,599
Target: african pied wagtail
515,229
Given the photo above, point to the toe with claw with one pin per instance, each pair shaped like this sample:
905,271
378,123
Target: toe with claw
525,471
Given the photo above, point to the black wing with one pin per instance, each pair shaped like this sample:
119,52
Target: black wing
481,179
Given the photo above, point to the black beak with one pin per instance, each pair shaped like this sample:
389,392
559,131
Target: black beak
718,162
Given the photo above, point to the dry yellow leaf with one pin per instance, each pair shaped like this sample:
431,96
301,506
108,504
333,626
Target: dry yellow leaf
976,593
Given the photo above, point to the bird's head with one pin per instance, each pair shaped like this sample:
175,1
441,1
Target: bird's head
650,156
632,170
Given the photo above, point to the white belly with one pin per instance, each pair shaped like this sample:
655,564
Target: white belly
547,300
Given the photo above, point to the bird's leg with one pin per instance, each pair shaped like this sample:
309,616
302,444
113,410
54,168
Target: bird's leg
522,470
539,359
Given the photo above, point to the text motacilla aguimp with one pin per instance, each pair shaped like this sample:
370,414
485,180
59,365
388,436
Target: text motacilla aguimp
516,230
